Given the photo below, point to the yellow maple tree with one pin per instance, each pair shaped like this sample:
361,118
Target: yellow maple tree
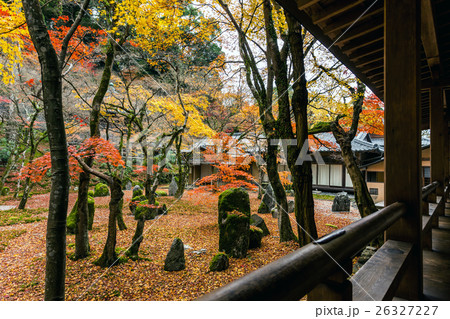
12,31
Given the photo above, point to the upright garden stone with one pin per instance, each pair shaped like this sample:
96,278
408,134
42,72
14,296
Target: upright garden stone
220,262
234,235
234,222
291,206
257,221
256,235
175,257
268,201
173,187
341,203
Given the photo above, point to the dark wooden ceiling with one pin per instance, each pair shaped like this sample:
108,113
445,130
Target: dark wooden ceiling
353,30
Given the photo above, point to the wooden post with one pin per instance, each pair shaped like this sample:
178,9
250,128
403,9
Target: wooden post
437,126
402,132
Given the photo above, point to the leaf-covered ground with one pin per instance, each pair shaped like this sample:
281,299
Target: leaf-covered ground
193,219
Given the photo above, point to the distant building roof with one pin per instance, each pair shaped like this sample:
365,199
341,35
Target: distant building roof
361,143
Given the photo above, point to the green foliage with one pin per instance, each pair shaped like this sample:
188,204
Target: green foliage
20,216
324,197
91,193
101,190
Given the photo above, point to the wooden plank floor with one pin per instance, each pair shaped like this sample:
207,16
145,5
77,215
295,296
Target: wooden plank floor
436,263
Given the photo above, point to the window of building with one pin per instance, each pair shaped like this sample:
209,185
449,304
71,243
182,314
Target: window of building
336,175
426,175
373,191
324,174
375,177
314,173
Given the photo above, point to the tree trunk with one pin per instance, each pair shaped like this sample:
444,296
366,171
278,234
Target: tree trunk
120,221
284,224
109,256
26,192
137,239
301,171
183,170
11,161
365,203
81,237
52,96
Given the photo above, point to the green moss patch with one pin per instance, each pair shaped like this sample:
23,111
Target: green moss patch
21,216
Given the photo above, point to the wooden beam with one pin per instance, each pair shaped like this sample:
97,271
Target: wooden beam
303,4
374,49
373,37
334,9
360,30
429,38
350,17
437,126
291,8
402,132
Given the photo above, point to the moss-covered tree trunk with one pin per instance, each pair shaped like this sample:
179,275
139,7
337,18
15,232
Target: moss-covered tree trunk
109,256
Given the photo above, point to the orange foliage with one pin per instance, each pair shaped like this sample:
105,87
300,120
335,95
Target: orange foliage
102,151
82,44
232,164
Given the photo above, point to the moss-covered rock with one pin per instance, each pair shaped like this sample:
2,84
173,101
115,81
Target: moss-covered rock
101,190
256,235
234,234
233,199
220,262
257,221
135,201
5,191
161,193
143,209
91,193
137,191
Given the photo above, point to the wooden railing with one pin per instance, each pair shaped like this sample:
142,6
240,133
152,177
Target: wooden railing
322,269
